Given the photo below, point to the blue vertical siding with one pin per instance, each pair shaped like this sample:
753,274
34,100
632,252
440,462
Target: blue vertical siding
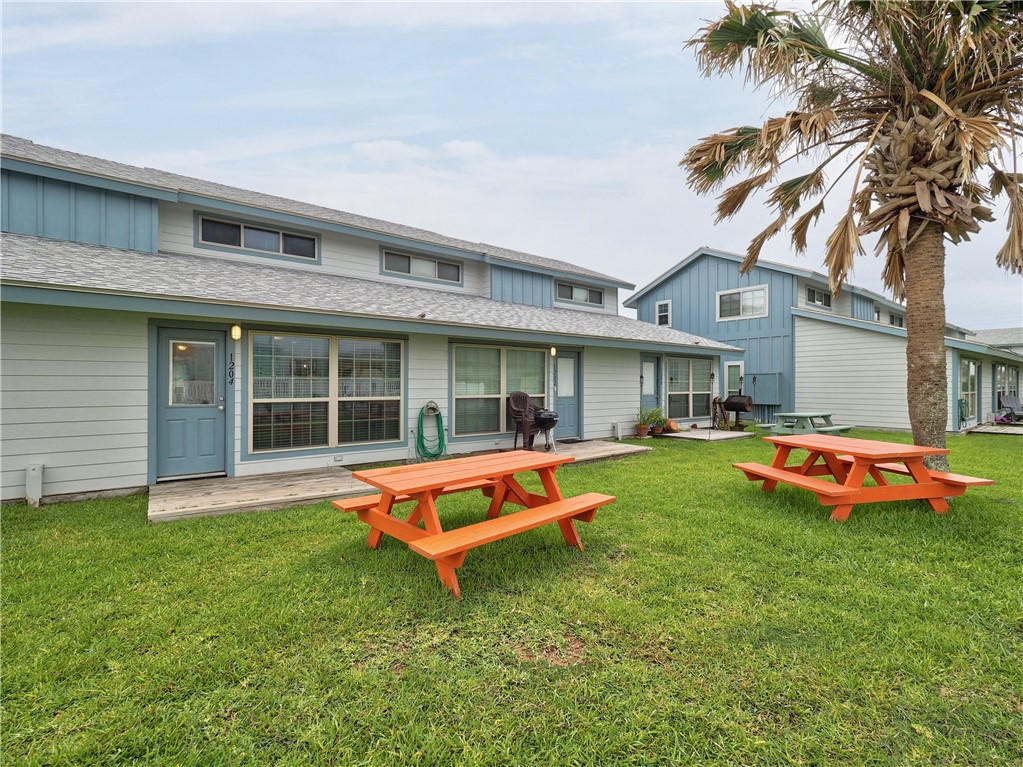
61,210
862,308
768,341
521,287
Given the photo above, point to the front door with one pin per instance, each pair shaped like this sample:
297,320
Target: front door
650,381
567,395
191,419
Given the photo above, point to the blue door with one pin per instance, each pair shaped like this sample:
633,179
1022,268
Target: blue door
191,419
567,390
650,381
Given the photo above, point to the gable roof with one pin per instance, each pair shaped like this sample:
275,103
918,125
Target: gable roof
24,150
806,274
114,274
1000,336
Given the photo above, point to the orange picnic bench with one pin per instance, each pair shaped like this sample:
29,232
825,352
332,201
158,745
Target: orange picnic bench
848,462
494,474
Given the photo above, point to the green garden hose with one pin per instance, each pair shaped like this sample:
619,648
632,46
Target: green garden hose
430,448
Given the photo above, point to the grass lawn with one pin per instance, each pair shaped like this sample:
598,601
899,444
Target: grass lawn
706,623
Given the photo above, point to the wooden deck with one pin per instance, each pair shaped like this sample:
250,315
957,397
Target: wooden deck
189,498
997,428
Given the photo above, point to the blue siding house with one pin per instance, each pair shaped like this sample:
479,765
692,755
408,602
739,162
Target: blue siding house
158,327
806,349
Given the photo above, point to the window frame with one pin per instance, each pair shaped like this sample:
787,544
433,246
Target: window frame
410,275
897,320
969,393
666,304
504,426
333,398
266,227
740,291
813,293
573,286
689,393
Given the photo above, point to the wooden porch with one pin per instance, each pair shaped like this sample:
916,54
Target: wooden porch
169,501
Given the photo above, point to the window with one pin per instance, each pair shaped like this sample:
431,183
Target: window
663,311
742,304
580,294
292,380
689,391
877,314
968,386
816,297
260,238
1006,382
897,320
733,378
422,267
485,376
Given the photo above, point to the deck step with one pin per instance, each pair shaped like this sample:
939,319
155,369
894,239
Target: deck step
755,471
464,538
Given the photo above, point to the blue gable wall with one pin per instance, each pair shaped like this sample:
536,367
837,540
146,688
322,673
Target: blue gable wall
767,340
521,287
862,308
61,210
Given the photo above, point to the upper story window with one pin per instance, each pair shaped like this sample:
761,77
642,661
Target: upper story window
422,267
877,314
259,238
580,294
816,297
742,304
663,312
897,320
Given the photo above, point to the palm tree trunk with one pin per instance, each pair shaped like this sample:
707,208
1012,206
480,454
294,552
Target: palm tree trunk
926,382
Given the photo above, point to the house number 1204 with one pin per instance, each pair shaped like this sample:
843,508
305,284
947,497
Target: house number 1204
230,369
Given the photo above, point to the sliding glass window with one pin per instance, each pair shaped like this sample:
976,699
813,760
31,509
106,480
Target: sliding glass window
292,377
485,376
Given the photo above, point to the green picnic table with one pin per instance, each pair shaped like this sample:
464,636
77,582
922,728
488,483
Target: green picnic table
806,423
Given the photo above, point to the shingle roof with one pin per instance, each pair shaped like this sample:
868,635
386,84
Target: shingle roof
38,262
28,151
1000,336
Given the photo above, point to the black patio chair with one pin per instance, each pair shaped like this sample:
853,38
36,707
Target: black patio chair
1010,403
529,420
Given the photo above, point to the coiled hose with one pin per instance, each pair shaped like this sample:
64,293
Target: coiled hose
430,448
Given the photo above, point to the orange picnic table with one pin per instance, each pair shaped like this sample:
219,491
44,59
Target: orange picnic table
494,474
848,462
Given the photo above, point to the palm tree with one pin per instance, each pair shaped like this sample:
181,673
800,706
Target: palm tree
919,103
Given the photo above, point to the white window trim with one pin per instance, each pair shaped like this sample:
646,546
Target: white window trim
657,313
767,303
690,392
742,375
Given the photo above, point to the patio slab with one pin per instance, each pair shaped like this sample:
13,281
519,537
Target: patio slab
709,435
184,499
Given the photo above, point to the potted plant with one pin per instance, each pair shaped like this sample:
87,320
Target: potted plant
646,418
657,425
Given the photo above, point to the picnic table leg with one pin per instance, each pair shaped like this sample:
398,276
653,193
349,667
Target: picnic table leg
781,455
854,479
431,521
497,500
921,475
568,529
386,507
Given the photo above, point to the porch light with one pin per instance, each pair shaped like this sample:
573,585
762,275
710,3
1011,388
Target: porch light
554,351
236,332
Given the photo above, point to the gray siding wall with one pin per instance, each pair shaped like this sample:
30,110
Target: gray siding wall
341,254
611,389
857,374
767,340
73,399
43,207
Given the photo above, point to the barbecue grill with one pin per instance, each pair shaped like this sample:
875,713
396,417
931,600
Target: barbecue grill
738,403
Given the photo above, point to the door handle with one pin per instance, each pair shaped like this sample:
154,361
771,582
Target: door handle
220,408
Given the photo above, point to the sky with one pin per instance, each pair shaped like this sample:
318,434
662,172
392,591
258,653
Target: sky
551,128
